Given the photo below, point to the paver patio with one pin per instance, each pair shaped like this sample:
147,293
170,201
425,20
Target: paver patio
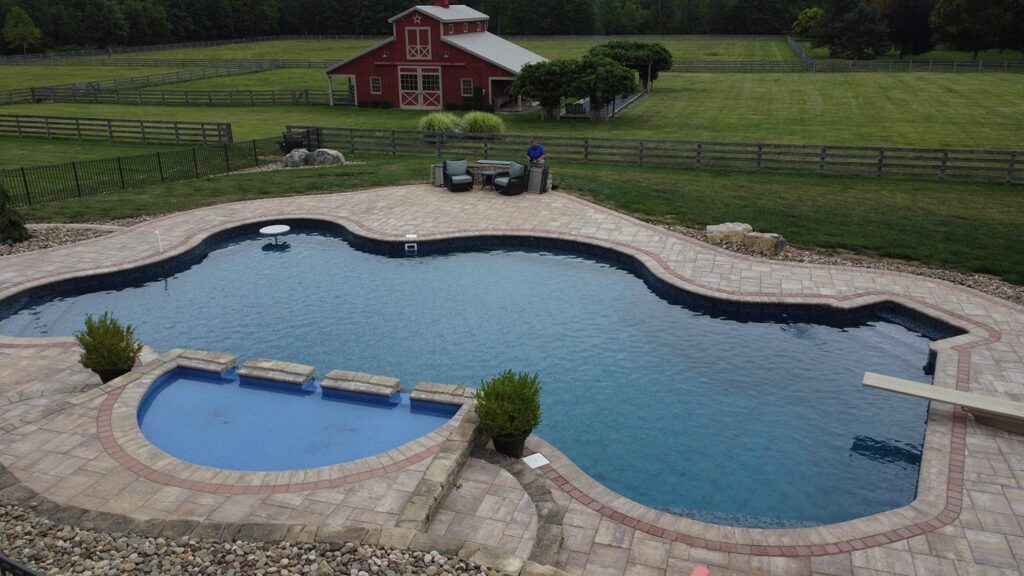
971,504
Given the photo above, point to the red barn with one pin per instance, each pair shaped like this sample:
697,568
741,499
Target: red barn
437,55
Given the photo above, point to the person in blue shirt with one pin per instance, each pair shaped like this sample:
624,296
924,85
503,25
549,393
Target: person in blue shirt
535,152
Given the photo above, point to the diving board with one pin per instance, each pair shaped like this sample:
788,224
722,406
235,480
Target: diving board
995,412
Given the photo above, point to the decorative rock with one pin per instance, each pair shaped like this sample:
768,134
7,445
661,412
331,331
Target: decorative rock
326,157
296,158
764,243
729,232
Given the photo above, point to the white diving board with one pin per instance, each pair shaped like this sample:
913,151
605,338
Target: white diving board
995,412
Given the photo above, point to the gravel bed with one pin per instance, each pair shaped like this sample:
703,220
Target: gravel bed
981,282
50,236
53,549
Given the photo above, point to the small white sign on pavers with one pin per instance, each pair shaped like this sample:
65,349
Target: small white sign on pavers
536,460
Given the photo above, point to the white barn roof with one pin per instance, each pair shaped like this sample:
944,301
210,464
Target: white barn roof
454,13
494,49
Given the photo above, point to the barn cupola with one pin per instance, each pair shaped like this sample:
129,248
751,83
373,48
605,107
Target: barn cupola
441,3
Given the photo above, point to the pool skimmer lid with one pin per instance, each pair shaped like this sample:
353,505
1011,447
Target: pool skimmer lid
536,460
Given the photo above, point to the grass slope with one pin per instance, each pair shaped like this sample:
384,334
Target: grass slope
281,79
31,76
934,110
957,225
15,151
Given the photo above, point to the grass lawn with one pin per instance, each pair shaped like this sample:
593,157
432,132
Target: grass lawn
31,76
821,53
934,110
964,226
281,79
15,151
326,50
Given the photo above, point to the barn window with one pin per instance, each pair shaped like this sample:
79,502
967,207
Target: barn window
431,82
451,28
467,87
479,26
375,85
409,82
417,43
465,26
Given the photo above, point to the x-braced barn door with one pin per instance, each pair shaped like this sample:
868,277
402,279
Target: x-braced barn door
419,88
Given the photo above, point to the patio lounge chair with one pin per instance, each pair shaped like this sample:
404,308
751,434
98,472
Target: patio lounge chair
512,182
456,176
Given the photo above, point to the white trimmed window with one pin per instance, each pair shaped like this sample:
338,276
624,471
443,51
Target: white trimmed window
479,26
465,26
467,87
375,85
417,43
451,28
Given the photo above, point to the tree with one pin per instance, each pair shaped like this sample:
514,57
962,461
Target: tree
602,79
546,82
20,31
971,25
860,34
910,25
811,24
644,57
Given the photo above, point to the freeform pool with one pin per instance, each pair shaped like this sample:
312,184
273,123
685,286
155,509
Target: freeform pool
226,422
739,415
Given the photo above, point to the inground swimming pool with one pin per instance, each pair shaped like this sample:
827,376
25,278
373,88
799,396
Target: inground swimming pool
734,414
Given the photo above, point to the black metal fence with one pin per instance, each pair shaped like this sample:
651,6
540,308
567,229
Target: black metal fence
987,165
116,129
39,184
9,567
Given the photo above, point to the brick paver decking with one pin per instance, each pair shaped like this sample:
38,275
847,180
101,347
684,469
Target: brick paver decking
966,520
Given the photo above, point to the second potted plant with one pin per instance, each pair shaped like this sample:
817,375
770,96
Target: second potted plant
108,348
508,406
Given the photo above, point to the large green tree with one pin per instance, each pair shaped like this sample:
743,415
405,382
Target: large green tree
20,31
972,25
910,25
602,79
647,58
547,83
860,34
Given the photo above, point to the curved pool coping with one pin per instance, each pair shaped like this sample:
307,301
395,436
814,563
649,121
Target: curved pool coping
940,484
121,436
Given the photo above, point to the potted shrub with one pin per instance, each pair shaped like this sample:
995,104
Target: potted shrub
509,409
108,348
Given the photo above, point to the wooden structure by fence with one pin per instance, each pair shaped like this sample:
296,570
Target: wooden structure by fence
69,180
116,129
988,165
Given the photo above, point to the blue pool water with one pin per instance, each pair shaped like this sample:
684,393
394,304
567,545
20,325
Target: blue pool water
223,422
741,418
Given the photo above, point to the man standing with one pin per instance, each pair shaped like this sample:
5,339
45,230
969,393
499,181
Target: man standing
535,152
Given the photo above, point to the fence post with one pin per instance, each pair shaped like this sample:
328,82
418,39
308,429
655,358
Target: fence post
78,127
352,141
255,153
24,181
227,159
160,166
394,149
822,158
110,130
881,161
700,154
120,172
177,133
195,162
142,129
46,124
586,149
1011,167
760,153
945,161
641,153
78,185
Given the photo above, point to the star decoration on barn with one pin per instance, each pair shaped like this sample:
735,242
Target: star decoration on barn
417,18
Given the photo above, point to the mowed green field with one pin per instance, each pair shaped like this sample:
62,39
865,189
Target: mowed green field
326,50
15,151
280,79
30,76
870,109
821,53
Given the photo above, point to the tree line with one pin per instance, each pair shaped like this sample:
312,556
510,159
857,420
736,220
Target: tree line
847,25
866,29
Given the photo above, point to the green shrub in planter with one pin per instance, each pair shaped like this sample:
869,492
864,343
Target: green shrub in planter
482,123
439,122
12,226
108,348
508,406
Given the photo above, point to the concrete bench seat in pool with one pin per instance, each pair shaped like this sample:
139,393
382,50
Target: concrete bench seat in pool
995,412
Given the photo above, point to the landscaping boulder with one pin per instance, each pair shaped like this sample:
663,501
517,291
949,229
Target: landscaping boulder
764,243
296,158
326,157
728,233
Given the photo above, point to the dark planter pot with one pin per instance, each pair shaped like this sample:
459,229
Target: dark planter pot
511,446
108,375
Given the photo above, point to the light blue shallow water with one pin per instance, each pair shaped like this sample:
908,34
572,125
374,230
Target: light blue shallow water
755,423
245,425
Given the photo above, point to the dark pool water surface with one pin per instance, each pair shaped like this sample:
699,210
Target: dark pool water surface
723,419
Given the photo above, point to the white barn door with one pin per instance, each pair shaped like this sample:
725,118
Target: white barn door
419,87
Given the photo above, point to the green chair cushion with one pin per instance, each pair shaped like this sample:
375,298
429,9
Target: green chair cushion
516,170
457,167
462,179
501,181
